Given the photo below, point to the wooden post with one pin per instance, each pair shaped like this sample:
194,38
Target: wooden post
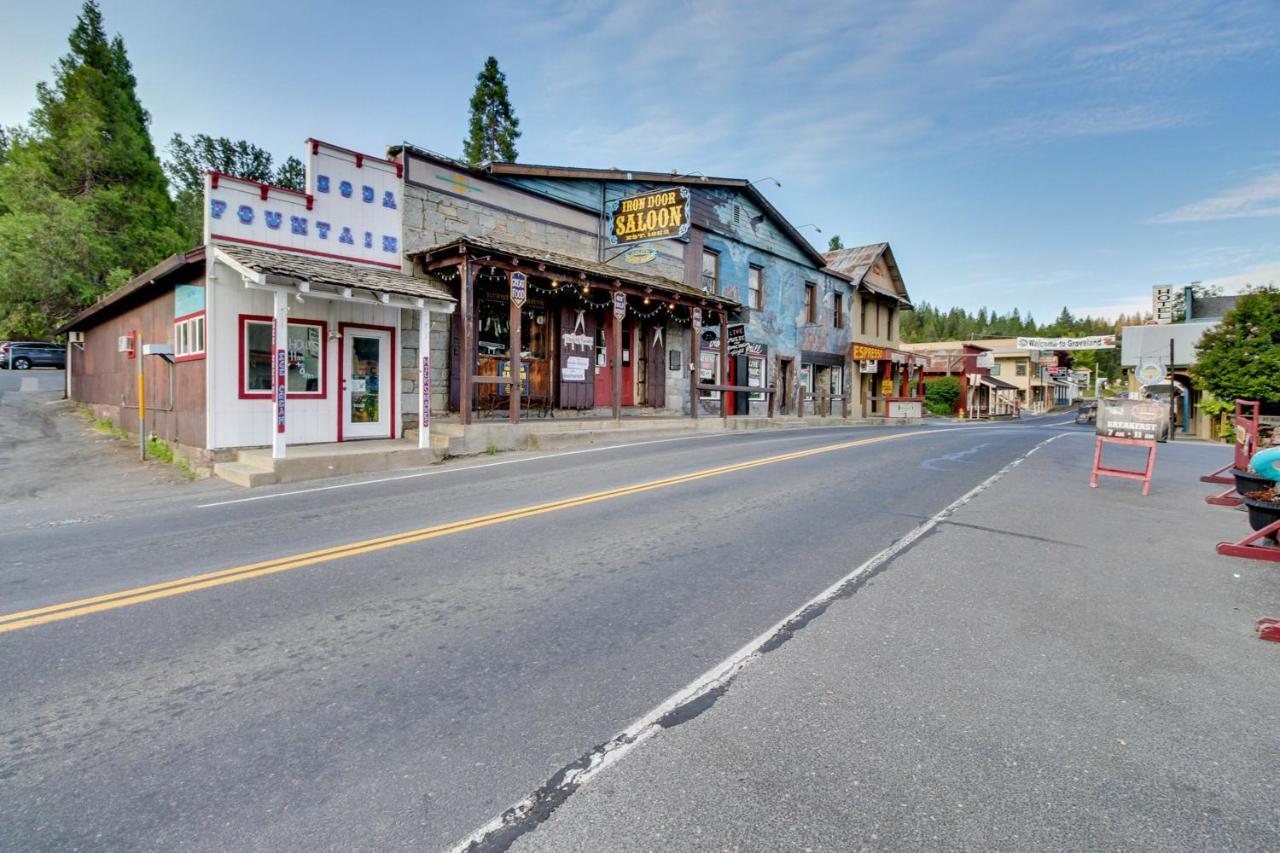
467,348
142,397
424,379
773,397
695,362
724,363
615,357
513,357
845,393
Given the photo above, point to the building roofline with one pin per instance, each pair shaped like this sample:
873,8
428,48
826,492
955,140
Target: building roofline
138,283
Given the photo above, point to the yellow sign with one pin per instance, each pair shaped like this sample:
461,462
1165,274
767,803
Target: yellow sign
862,352
657,215
886,388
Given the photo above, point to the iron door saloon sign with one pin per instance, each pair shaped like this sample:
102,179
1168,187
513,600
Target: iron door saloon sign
657,215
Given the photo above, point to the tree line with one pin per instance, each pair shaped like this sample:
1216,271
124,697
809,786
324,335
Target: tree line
86,202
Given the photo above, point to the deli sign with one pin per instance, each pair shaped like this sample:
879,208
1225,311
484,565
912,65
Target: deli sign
657,215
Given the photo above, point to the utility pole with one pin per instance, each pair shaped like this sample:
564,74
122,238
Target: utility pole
1173,412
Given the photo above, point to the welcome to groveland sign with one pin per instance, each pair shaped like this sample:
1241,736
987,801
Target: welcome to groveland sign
657,215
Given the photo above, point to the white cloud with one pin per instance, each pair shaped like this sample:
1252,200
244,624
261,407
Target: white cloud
1268,273
1259,197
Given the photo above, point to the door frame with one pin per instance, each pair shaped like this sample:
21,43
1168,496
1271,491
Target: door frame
339,374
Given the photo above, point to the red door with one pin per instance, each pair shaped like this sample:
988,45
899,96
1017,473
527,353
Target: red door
628,365
604,375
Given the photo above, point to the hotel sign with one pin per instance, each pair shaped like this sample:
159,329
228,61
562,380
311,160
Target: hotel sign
658,215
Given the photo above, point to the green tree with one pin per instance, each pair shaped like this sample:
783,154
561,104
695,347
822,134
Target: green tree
292,174
835,244
189,161
1241,357
942,394
494,127
83,198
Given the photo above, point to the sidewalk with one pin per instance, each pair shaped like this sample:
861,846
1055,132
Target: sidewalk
1053,667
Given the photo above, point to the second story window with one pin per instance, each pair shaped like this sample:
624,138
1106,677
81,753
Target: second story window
710,271
755,287
810,302
1021,368
837,310
866,305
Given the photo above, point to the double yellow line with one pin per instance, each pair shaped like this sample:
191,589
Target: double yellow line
138,595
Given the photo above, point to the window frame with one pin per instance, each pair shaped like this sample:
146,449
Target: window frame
810,303
715,279
755,297
1020,369
188,323
837,309
242,376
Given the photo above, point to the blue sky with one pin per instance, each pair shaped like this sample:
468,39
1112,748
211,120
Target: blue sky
1028,154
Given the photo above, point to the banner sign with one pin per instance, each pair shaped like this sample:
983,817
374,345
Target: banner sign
1092,342
737,340
657,215
351,211
985,359
1162,303
426,391
281,375
862,352
695,318
1143,420
619,304
519,289
188,299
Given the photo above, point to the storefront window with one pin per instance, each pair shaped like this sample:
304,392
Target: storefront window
533,332
304,354
494,325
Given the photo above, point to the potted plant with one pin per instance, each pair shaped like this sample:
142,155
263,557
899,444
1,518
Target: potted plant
1249,481
1264,507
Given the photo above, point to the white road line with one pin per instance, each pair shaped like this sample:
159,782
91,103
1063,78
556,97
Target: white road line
719,676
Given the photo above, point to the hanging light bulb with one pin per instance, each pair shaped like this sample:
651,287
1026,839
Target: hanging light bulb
646,300
554,284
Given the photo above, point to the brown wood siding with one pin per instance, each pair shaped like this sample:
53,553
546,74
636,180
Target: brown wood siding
103,376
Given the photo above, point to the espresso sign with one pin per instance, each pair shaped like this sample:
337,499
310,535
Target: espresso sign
657,215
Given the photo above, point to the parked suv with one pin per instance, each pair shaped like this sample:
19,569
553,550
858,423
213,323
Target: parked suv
22,355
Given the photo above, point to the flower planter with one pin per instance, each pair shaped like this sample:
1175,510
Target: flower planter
1247,481
1262,513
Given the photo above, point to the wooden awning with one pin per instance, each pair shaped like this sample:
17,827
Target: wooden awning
486,251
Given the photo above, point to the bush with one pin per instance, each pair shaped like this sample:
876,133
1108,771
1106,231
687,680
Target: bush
941,395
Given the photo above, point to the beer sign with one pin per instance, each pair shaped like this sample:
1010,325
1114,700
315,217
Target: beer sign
657,215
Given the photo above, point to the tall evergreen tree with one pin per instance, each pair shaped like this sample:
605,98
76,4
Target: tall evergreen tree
188,162
835,244
83,198
494,127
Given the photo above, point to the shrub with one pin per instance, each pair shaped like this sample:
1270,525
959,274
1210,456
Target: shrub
941,395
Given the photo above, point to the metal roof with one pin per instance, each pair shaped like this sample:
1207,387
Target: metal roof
857,261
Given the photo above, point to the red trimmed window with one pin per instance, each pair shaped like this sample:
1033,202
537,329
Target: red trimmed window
305,348
188,337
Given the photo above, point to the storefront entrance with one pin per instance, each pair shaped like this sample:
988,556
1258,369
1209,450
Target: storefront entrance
367,374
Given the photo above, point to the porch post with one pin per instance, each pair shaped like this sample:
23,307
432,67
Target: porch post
467,347
279,372
513,357
615,344
724,364
695,361
424,378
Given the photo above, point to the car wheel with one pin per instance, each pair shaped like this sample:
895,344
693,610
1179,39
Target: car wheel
22,363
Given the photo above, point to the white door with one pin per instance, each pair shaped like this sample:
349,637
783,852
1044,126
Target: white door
367,384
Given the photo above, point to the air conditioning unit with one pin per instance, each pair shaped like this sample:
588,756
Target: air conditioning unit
75,337
124,343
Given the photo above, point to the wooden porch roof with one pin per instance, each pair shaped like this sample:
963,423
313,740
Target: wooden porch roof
488,251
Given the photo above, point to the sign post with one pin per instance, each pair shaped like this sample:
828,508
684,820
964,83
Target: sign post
424,379
279,372
1133,423
142,399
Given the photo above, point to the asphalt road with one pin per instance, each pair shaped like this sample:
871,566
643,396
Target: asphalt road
400,694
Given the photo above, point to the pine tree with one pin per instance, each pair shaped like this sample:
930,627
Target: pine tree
494,127
835,244
83,199
189,161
